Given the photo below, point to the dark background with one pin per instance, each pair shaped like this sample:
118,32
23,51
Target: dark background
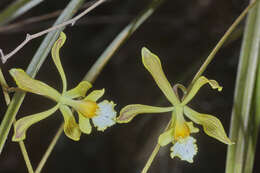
181,33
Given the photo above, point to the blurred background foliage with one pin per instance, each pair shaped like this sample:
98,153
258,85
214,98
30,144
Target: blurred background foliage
181,33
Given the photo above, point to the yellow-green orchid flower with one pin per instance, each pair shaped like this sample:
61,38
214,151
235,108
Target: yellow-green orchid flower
184,146
102,114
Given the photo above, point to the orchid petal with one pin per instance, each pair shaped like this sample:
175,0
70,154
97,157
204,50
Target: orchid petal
23,124
71,128
185,149
153,64
166,137
79,91
197,85
84,124
130,111
95,95
26,83
211,125
105,115
55,52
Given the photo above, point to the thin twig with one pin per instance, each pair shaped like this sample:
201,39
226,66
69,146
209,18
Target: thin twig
29,37
36,19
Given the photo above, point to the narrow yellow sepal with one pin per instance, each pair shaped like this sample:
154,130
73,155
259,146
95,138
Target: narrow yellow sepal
211,125
153,64
130,111
55,52
197,85
79,91
26,83
23,124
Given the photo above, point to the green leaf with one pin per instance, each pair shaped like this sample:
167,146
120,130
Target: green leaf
23,124
26,83
71,128
211,125
153,64
55,53
197,85
130,111
16,9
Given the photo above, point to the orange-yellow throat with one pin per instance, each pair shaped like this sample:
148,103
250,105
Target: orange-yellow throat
87,108
181,130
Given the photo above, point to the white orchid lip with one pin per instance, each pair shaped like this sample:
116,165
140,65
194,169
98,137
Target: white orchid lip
185,149
105,115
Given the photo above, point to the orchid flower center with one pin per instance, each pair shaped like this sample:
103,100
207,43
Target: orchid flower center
87,108
181,131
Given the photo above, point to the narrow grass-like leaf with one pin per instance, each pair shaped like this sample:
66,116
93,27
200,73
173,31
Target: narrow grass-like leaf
120,39
16,9
238,161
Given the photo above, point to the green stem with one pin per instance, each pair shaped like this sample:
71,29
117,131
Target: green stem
33,68
220,43
49,149
154,153
26,157
244,124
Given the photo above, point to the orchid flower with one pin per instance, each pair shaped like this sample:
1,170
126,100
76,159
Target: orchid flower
180,130
102,113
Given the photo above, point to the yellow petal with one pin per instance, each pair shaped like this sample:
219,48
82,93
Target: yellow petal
84,124
95,95
197,85
71,128
166,137
130,111
211,125
79,91
26,83
23,124
192,128
153,64
55,52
